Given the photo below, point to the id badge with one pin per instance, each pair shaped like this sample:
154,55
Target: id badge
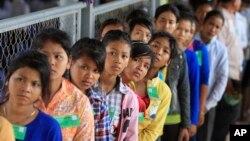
141,117
68,121
20,132
152,92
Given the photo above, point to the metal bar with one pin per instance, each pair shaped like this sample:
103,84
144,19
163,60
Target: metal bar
39,16
113,6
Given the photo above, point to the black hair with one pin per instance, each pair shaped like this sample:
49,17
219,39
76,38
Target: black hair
183,8
246,1
188,17
116,35
35,60
167,8
111,21
53,35
92,48
214,13
141,49
171,39
199,3
137,13
225,1
141,21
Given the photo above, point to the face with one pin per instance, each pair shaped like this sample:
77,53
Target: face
161,48
182,33
202,11
166,22
140,33
24,86
211,27
111,27
57,57
84,73
237,4
137,68
117,57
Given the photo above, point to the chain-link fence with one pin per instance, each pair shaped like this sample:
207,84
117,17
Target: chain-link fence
17,34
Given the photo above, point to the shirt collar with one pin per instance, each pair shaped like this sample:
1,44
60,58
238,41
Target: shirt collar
198,37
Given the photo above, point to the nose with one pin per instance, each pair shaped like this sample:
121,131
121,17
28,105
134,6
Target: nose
140,66
118,59
51,61
89,75
144,38
26,87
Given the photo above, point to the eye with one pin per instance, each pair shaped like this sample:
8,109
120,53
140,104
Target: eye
96,71
146,66
124,56
135,59
84,67
36,84
59,57
154,46
166,51
113,53
19,79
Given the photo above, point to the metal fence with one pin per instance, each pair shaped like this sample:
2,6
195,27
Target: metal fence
77,19
17,33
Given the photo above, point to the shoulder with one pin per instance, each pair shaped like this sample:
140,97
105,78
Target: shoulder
162,87
46,120
73,91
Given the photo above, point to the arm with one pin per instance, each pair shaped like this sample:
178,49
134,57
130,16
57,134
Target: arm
221,77
194,78
102,121
184,99
154,129
204,75
183,89
86,129
132,131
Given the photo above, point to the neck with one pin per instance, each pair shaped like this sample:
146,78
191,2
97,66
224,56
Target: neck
55,85
107,81
125,80
229,8
205,40
11,108
152,73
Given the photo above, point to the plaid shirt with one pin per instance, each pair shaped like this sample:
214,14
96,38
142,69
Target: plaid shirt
101,113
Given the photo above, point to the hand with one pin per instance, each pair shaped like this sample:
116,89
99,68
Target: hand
183,136
201,119
192,130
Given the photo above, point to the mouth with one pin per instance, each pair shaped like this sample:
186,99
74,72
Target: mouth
137,74
21,96
116,68
86,83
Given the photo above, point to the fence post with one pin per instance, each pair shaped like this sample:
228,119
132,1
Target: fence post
88,21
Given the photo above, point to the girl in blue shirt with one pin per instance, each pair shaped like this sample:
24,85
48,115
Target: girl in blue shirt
26,82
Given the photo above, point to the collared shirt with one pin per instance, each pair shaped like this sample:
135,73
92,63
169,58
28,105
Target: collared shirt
114,99
218,75
230,39
101,114
69,100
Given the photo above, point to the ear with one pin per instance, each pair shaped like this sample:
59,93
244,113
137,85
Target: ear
69,63
169,61
6,83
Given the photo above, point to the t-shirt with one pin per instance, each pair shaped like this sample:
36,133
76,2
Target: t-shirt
6,131
43,128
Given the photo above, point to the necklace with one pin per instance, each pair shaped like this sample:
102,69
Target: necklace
22,120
